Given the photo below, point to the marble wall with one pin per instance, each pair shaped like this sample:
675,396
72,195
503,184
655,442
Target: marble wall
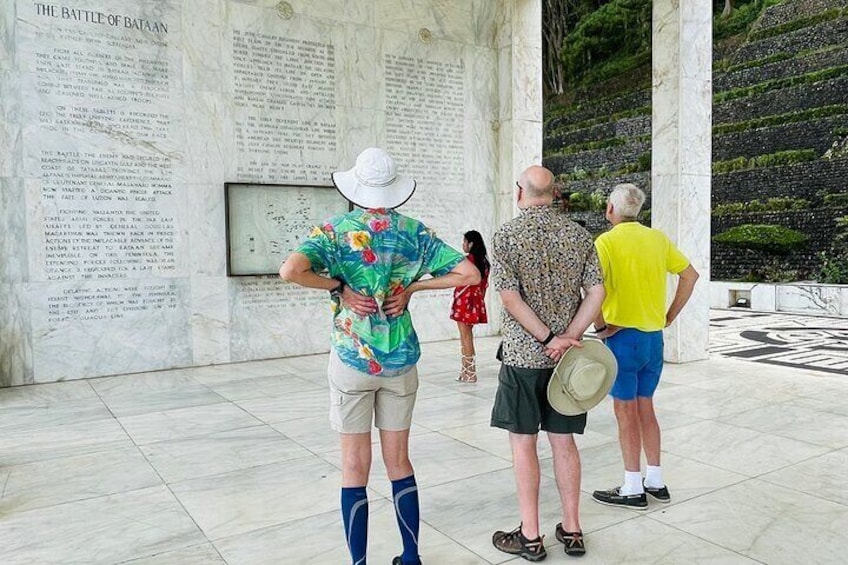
124,119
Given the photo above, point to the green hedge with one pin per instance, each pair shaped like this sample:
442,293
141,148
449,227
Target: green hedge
623,115
770,205
725,66
780,119
592,145
587,202
778,159
740,19
762,237
800,23
835,200
778,83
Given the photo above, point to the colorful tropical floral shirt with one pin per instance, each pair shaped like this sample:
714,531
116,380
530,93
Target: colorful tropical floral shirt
377,253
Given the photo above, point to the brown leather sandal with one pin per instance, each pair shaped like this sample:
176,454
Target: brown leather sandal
575,546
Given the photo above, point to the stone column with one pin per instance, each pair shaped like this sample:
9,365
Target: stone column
520,81
681,156
519,122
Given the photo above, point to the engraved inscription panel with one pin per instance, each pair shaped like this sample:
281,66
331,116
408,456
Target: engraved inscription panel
425,129
103,139
284,91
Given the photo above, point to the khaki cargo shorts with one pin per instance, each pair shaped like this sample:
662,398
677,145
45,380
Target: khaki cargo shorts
355,396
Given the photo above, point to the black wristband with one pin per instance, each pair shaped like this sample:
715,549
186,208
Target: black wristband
550,338
602,328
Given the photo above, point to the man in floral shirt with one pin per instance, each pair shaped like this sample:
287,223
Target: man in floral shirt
375,259
547,274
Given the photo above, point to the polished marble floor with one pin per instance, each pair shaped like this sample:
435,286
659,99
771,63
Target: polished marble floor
236,464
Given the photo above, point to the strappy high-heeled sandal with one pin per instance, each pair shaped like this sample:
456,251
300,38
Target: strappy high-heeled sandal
468,373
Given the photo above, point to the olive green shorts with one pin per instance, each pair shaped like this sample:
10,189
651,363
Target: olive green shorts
521,404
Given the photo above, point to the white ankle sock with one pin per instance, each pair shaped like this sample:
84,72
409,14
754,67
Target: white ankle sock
653,477
632,483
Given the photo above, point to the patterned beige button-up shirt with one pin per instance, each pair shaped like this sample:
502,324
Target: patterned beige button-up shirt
547,258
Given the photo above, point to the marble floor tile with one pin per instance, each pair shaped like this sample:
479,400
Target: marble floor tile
125,403
104,530
284,543
496,441
221,452
249,499
205,554
316,435
737,449
57,481
289,407
428,389
833,404
22,446
658,544
748,385
491,440
470,510
822,476
186,422
486,386
795,422
46,394
263,387
686,479
143,382
750,457
766,522
306,365
451,411
44,416
436,459
714,368
705,403
239,372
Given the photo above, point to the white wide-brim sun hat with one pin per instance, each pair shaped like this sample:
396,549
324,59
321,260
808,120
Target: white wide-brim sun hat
582,378
373,182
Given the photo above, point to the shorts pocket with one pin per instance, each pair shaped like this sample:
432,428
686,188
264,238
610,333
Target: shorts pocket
336,398
504,408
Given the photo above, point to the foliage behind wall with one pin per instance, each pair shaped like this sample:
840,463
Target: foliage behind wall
780,121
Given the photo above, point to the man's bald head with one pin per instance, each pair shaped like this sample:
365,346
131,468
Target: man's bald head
538,183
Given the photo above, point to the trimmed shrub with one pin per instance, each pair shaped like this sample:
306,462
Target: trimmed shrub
771,160
778,240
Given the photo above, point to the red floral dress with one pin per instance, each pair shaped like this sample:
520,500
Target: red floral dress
469,302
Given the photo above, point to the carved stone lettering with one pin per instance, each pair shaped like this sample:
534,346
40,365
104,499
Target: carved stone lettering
425,111
285,98
105,213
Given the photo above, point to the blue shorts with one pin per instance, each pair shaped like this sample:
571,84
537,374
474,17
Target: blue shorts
640,361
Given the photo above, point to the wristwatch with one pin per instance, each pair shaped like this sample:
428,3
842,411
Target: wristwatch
337,292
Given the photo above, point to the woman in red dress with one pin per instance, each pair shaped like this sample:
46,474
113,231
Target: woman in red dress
469,304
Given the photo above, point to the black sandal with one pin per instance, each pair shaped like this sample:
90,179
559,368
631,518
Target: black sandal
573,541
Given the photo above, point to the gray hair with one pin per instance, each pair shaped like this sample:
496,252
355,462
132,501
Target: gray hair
626,200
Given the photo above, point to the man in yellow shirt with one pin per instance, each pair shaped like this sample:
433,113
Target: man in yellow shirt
635,261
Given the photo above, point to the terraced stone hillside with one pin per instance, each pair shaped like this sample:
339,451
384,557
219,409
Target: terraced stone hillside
780,133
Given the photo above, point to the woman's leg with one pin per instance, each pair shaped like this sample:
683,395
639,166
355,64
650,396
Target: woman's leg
466,342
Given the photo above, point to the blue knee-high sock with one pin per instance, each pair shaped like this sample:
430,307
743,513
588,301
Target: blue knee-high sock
355,518
405,494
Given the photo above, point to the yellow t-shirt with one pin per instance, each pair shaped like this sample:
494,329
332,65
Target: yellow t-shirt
635,261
